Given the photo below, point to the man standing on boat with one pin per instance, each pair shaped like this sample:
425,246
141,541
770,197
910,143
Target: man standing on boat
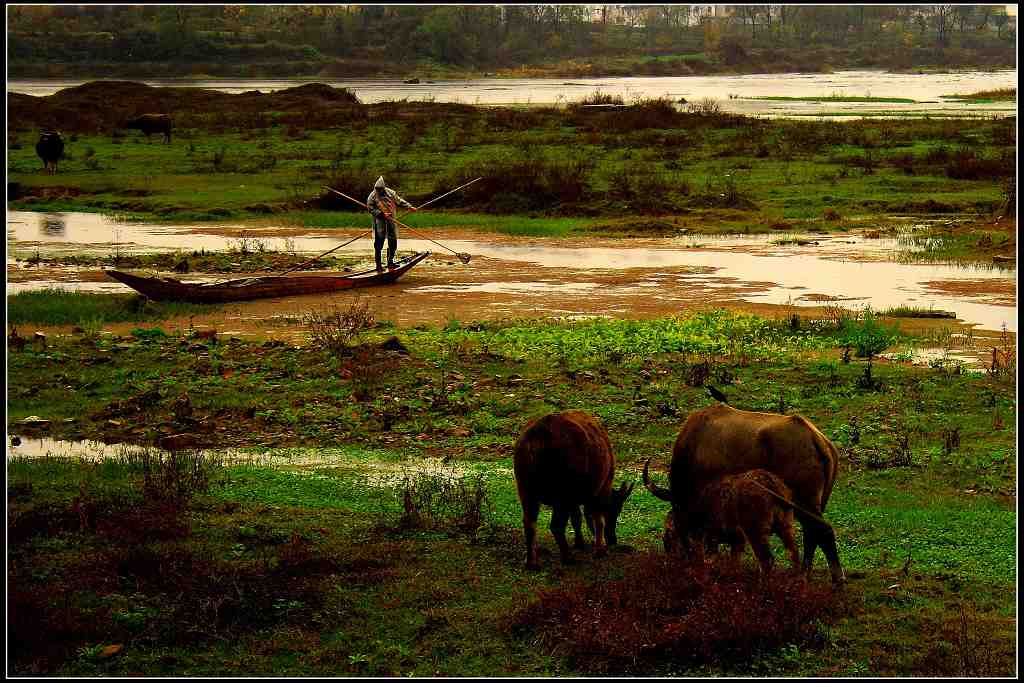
382,204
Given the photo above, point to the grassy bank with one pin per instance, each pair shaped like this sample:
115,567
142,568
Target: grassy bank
85,309
250,156
387,542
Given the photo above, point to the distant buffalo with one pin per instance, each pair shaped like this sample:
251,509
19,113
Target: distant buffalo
151,123
50,149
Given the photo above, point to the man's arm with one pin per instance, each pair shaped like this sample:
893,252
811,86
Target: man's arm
373,204
398,199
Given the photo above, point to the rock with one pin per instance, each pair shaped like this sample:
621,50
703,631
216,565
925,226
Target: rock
109,651
33,421
15,441
39,338
393,344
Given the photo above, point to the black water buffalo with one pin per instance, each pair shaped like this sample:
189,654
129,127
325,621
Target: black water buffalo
565,460
735,509
721,440
151,123
50,149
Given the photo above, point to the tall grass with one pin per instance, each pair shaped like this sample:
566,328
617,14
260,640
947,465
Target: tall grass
55,306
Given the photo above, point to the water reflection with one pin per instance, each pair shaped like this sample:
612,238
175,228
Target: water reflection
52,225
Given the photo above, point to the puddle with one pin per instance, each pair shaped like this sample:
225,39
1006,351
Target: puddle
585,276
384,472
94,232
971,360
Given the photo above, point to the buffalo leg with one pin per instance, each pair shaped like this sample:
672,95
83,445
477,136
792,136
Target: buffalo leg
600,548
817,534
559,518
828,544
531,509
695,544
810,543
577,527
763,552
785,532
736,552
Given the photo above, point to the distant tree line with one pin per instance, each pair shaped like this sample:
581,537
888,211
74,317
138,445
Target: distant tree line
483,37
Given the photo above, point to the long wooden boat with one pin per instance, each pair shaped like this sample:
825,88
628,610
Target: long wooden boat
243,289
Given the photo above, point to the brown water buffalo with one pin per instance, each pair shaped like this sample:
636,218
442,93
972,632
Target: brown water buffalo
151,123
50,149
721,440
735,509
565,460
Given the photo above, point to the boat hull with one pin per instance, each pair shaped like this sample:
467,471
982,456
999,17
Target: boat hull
244,289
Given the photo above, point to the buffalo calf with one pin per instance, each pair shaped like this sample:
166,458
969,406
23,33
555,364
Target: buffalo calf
565,460
735,509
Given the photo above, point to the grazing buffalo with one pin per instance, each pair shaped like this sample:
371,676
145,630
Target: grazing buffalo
50,149
735,509
151,123
722,440
565,460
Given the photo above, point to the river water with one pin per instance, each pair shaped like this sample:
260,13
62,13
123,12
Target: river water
514,276
734,93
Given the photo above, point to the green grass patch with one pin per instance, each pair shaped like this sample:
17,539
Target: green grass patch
53,306
986,96
915,312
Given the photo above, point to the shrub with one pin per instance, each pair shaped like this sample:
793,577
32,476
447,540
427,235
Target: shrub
443,498
670,609
966,164
868,337
598,97
707,106
523,184
334,328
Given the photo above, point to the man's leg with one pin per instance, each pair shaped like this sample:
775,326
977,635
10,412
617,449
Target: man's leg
378,241
392,243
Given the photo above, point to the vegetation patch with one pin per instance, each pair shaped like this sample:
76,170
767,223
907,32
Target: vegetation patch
54,306
836,98
667,610
252,259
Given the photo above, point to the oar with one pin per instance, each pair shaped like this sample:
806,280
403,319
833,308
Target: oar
448,193
316,258
462,256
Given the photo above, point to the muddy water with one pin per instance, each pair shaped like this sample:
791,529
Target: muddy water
735,93
529,277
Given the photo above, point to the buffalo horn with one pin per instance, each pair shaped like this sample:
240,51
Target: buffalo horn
658,491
